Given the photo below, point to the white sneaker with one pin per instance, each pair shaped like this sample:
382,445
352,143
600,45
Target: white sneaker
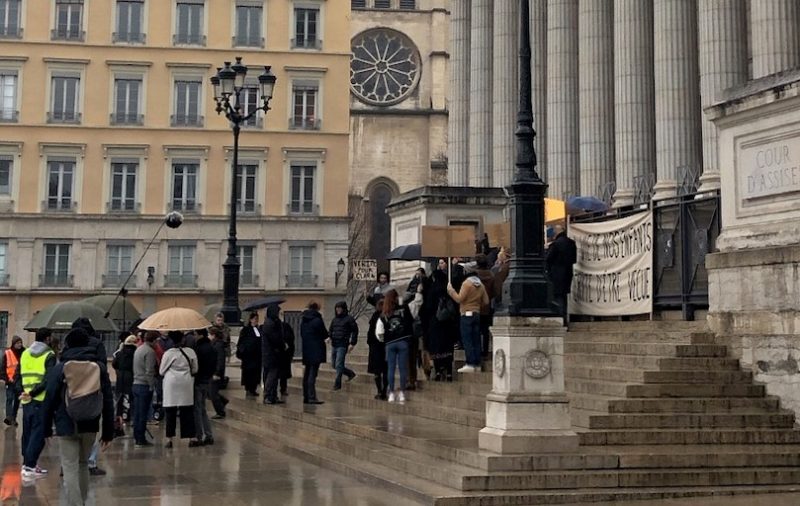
467,369
391,397
29,473
40,472
401,397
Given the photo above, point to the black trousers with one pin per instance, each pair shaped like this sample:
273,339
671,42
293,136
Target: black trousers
382,382
217,399
310,382
271,378
486,334
187,421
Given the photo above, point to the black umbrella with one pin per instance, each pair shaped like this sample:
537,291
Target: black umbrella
272,300
408,252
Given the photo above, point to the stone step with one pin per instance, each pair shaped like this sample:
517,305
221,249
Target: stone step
635,348
689,436
725,377
590,402
622,336
637,326
701,350
595,387
643,362
698,363
695,390
701,456
783,420
702,338
694,405
605,373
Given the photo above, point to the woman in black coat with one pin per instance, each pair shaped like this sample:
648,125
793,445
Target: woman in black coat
441,334
313,333
123,365
377,364
273,349
249,352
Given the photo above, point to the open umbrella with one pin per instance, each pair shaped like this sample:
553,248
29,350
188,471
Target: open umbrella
264,302
408,252
175,318
123,309
580,205
59,316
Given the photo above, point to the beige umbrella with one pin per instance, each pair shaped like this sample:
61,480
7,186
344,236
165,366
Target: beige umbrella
175,318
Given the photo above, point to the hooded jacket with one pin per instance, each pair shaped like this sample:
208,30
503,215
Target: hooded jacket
343,328
3,366
313,333
55,410
37,349
472,297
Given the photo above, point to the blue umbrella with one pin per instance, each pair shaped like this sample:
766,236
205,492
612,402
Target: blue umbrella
580,205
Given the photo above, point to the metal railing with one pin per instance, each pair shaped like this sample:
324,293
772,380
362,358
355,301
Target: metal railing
301,280
191,207
191,120
11,32
302,208
123,207
194,39
248,279
64,117
248,208
306,43
245,41
254,122
9,116
116,280
305,123
67,34
59,205
56,280
120,118
130,38
4,279
180,280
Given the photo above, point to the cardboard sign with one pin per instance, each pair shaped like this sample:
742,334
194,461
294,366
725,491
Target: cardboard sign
499,234
364,270
445,242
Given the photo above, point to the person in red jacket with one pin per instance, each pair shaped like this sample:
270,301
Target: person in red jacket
8,366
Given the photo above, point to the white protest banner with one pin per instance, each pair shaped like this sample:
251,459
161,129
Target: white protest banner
364,270
614,273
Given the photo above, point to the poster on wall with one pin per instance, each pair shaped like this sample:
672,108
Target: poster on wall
614,273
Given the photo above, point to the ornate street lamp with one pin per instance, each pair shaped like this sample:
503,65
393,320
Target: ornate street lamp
526,290
229,83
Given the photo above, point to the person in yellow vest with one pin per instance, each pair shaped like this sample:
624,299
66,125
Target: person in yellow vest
34,364
8,373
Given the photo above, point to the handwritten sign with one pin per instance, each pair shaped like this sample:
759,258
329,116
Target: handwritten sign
364,270
614,273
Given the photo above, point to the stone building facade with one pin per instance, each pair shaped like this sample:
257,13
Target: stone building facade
107,122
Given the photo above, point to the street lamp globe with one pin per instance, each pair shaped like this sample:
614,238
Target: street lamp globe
217,87
241,73
266,84
227,79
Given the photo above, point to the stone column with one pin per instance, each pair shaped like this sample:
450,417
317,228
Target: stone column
563,160
678,140
538,17
596,94
723,64
776,36
506,89
480,94
458,144
634,105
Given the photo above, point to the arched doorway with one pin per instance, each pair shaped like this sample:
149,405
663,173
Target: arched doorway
380,225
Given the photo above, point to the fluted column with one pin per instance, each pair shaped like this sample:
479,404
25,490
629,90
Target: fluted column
776,36
506,89
458,142
723,63
538,17
678,139
596,94
563,160
480,94
634,103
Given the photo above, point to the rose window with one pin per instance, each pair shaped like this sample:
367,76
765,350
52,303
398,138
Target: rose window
384,66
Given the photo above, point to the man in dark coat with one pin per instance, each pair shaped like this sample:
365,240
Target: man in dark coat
218,400
123,365
273,346
344,337
248,350
313,333
561,256
206,367
287,359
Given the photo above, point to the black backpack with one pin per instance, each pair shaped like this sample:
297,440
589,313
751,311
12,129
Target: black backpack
396,326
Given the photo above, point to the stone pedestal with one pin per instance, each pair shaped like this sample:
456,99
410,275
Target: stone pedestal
528,410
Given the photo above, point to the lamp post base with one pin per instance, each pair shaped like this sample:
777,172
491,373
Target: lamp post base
230,292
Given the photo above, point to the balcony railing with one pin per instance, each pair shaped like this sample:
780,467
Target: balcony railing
59,205
306,43
130,38
301,280
248,279
10,32
123,207
7,116
180,280
184,206
116,280
191,120
67,34
254,122
64,117
56,280
194,39
4,279
245,41
302,208
120,118
247,208
302,123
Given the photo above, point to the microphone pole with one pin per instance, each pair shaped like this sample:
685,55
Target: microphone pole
172,220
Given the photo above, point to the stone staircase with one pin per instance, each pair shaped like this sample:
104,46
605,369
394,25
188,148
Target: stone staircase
660,411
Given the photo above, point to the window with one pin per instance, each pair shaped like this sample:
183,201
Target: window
69,20
250,101
64,101
304,106
306,21
384,66
181,267
383,4
358,4
6,165
127,97
184,186
246,180
120,262
246,275
10,19
301,260
302,190
248,24
3,263
61,174
56,266
187,103
123,185
130,18
8,96
189,23
408,4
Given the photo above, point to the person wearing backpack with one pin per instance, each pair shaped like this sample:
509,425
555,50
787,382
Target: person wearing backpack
395,328
78,397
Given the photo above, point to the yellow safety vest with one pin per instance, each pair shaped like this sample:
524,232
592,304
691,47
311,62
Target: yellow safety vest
32,370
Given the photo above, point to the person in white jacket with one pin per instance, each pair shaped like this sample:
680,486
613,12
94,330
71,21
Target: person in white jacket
178,367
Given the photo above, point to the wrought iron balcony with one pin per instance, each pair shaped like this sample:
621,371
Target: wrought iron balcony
185,206
248,208
246,41
192,39
4,279
186,120
121,118
305,123
67,34
8,116
301,280
180,280
302,208
306,43
130,38
70,117
248,279
11,32
59,205
117,206
56,280
116,280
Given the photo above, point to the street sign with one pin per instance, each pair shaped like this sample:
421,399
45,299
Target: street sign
365,270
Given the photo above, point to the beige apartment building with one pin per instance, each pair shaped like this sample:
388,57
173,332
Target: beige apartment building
107,122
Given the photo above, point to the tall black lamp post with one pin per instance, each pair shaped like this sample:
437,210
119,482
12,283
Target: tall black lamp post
526,290
229,83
